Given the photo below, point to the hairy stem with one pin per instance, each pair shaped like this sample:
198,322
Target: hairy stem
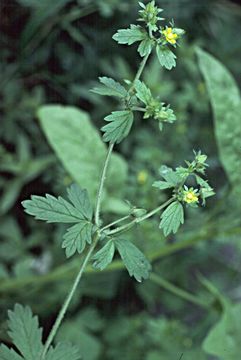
101,186
126,227
157,279
68,299
141,68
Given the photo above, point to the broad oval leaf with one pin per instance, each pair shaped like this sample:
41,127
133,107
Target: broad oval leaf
79,147
226,103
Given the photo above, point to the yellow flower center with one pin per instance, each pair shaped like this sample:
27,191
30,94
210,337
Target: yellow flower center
170,36
190,197
142,177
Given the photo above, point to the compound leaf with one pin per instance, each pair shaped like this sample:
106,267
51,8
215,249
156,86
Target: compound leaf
119,126
110,88
25,332
80,199
172,218
63,351
134,260
104,256
52,209
130,36
8,354
76,238
166,57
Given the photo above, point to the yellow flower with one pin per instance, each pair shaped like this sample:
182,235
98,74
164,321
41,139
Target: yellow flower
142,177
170,36
190,196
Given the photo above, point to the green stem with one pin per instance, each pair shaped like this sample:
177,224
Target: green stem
101,186
139,72
141,68
68,299
115,222
136,108
157,279
126,227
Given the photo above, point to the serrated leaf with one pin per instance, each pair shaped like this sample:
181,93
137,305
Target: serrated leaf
172,218
145,47
80,199
8,354
134,260
63,351
52,209
110,88
162,185
143,92
130,36
166,57
119,126
25,332
76,238
104,256
226,107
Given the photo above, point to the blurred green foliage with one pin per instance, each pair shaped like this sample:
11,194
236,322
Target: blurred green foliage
54,54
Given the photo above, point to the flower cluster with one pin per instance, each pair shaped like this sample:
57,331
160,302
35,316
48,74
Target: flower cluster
176,180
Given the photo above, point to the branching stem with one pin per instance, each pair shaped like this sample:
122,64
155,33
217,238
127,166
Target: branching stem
115,222
129,225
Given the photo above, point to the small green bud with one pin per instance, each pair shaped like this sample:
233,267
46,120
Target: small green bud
138,212
149,14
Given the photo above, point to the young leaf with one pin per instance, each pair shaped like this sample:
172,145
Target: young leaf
104,256
172,218
145,47
63,351
134,260
130,36
143,92
76,238
110,88
119,126
81,201
25,332
166,57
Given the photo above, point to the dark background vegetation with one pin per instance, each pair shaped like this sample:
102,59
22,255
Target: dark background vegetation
53,52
